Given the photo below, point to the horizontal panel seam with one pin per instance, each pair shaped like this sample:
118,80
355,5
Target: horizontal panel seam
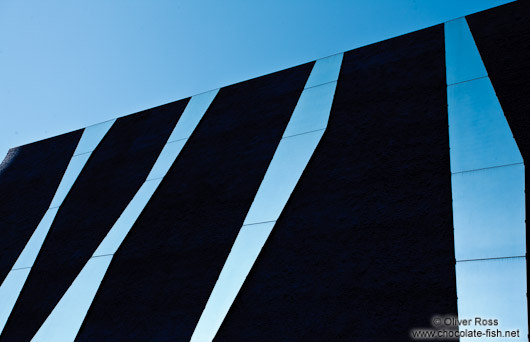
254,223
498,258
294,135
473,79
486,168
321,84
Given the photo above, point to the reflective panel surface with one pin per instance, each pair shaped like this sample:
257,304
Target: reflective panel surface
300,138
489,213
488,197
91,137
325,70
191,116
32,248
479,134
463,61
9,292
244,252
493,289
70,175
66,318
123,225
312,110
10,289
286,167
166,158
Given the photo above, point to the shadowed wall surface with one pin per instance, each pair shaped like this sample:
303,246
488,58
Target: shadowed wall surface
160,279
364,249
29,176
109,180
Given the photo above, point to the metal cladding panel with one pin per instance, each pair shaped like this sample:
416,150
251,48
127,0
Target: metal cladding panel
502,36
111,177
161,277
364,248
29,176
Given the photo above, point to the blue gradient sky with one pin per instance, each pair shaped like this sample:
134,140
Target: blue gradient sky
68,64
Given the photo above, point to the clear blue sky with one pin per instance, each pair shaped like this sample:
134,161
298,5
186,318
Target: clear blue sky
67,64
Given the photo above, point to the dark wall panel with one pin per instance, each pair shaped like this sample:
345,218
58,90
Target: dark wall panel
364,248
29,177
111,177
161,277
502,36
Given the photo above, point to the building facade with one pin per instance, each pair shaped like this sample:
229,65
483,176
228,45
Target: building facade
359,197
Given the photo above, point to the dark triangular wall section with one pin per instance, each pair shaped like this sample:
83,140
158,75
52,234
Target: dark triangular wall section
502,36
364,249
29,176
109,180
161,277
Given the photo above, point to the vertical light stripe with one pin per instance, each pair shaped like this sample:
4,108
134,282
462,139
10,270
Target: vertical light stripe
9,292
12,285
494,288
285,169
244,253
487,179
123,225
79,296
299,141
325,70
90,139
489,213
479,134
307,115
193,113
463,59
33,246
65,320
